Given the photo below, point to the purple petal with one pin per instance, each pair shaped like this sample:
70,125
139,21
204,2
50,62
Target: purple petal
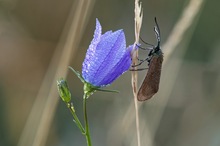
106,54
111,58
91,52
122,66
106,58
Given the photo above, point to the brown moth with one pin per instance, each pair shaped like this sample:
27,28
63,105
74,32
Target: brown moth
150,85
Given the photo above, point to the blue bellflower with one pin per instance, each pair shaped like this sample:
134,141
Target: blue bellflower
107,57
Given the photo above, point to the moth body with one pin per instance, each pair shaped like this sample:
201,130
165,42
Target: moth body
150,85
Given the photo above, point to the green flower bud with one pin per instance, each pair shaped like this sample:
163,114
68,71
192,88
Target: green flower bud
63,90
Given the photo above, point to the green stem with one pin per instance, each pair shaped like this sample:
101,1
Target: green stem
87,133
76,119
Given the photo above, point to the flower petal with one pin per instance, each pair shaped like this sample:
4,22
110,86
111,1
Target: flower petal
107,53
111,58
122,66
91,52
106,58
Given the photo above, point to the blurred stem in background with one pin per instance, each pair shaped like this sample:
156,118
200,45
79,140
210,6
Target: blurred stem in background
36,129
179,34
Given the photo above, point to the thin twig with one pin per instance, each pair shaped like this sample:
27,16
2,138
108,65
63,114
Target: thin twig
138,21
176,36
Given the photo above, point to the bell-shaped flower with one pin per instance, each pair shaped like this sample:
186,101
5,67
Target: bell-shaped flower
107,57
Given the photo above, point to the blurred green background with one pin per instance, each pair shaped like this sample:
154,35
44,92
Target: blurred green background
186,111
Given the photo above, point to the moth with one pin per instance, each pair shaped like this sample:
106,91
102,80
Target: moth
150,85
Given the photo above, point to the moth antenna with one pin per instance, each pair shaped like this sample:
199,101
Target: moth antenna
146,42
143,48
157,32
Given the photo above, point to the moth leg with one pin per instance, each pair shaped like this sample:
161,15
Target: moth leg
143,48
138,69
142,61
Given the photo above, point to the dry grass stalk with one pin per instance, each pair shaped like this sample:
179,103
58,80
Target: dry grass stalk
176,36
138,22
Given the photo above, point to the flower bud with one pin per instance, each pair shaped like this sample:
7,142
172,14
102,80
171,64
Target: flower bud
63,90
